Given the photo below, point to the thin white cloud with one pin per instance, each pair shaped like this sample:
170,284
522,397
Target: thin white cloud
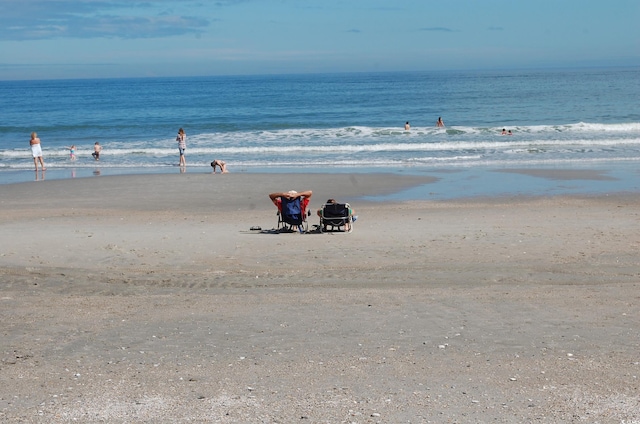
50,19
226,3
438,29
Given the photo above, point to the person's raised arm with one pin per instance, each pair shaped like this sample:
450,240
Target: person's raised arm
306,194
275,197
290,195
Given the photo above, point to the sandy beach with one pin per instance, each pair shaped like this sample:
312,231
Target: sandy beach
147,298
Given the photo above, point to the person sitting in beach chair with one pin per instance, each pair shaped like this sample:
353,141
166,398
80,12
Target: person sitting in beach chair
336,216
292,209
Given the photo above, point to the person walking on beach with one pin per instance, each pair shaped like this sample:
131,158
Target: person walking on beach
36,151
182,146
97,148
440,122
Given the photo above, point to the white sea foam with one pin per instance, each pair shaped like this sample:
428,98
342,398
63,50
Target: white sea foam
349,120
360,146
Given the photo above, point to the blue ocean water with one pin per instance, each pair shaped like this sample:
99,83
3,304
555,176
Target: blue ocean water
342,122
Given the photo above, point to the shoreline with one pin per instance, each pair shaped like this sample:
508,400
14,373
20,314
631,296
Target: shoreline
148,298
441,183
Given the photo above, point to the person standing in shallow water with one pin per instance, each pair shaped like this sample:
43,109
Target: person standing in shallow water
182,146
97,148
36,151
440,122
72,152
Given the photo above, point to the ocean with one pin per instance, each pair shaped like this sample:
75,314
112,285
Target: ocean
561,118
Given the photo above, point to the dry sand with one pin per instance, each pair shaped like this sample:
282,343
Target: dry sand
147,299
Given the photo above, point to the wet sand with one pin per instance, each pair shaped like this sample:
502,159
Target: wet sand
149,299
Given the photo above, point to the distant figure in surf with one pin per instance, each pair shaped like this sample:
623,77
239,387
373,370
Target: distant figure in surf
97,148
509,133
440,122
72,151
407,127
504,132
36,151
182,146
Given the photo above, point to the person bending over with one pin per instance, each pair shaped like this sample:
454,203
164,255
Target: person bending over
222,164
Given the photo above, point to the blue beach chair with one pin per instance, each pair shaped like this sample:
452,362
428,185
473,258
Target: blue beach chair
292,214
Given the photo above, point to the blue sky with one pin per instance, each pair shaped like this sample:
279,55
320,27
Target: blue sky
46,39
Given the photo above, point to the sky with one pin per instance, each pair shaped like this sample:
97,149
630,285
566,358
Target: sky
53,39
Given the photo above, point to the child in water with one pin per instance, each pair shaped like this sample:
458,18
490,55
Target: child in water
72,151
97,148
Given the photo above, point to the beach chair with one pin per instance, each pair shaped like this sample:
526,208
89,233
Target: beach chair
336,217
292,214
